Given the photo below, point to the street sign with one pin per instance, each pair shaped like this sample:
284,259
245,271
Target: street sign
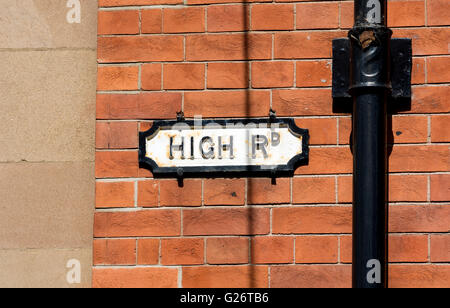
227,148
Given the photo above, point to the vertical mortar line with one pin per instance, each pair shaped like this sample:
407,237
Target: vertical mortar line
295,243
269,275
295,16
429,129
140,21
159,250
429,188
180,277
206,19
426,13
206,76
273,46
246,192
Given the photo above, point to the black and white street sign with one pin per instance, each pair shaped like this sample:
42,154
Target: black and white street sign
207,148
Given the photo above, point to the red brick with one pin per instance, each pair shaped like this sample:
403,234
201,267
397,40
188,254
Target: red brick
226,277
138,106
148,192
410,129
107,3
301,220
239,46
328,161
151,21
117,194
418,71
419,158
228,18
302,102
437,69
345,129
321,130
311,276
426,41
184,76
228,75
272,74
408,248
316,249
231,250
140,48
440,187
151,76
182,251
226,104
224,192
141,223
317,15
264,191
232,221
345,189
346,249
315,44
440,131
419,218
137,277
438,12
148,251
314,190
112,78
419,276
347,15
190,194
121,164
184,20
273,249
401,188
314,73
440,247
272,17
116,135
118,22
408,188
431,99
115,252
406,13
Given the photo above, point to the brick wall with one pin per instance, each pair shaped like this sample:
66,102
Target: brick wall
225,58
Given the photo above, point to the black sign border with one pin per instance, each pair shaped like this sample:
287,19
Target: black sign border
225,171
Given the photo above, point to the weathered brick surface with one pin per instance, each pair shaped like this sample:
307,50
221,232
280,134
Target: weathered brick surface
239,59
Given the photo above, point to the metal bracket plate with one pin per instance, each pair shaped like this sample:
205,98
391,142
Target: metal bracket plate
401,67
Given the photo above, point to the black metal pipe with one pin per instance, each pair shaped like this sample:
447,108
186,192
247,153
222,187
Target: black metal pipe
370,86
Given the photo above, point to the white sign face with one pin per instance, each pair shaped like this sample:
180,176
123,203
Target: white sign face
233,146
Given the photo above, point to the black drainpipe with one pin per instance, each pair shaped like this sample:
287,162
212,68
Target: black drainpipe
370,85
364,84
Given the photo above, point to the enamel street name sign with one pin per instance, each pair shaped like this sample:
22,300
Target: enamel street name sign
213,148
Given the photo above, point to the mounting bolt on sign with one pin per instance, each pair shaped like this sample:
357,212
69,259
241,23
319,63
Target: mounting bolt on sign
371,75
